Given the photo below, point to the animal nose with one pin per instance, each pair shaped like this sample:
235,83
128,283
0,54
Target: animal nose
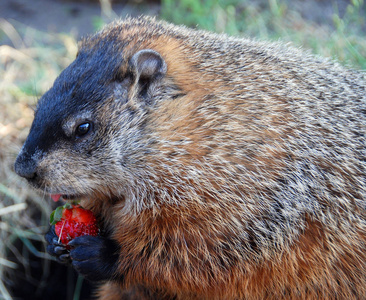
25,166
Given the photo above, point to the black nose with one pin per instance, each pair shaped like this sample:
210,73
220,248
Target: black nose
25,166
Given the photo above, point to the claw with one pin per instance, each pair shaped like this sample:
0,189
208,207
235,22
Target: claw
56,242
59,250
64,258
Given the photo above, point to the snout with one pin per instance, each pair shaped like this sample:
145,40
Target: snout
26,165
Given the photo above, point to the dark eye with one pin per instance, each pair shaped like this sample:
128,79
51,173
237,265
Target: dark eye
83,129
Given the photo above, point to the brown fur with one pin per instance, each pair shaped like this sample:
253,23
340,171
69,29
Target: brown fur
247,180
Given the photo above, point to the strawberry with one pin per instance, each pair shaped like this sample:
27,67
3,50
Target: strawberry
71,221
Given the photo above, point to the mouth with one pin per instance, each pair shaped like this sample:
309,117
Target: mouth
57,197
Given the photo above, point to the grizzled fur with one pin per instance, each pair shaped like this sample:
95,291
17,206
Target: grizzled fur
219,168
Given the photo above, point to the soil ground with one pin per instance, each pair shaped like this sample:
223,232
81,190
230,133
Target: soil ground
80,17
76,17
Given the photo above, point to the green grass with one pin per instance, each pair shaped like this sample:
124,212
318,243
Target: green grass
341,38
29,66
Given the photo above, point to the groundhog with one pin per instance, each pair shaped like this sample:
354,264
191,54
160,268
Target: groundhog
218,167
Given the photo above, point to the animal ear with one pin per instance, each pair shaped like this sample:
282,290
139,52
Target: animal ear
147,65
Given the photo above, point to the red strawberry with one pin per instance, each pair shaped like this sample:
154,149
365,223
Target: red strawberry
72,221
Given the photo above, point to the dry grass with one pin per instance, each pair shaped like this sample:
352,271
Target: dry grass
28,67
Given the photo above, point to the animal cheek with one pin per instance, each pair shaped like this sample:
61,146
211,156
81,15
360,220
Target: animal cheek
68,172
56,167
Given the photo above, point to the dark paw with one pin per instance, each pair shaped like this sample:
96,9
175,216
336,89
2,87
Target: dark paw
94,257
55,248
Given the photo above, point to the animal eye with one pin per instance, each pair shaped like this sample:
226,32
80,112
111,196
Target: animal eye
82,129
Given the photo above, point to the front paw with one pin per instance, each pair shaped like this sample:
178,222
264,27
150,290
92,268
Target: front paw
94,257
56,248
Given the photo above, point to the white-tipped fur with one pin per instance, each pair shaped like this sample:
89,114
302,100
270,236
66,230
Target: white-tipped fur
242,178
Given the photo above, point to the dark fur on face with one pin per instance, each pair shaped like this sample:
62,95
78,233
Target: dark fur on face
112,93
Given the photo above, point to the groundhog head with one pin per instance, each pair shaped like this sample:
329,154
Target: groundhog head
89,136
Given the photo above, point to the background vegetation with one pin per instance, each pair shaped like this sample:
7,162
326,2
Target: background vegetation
29,62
